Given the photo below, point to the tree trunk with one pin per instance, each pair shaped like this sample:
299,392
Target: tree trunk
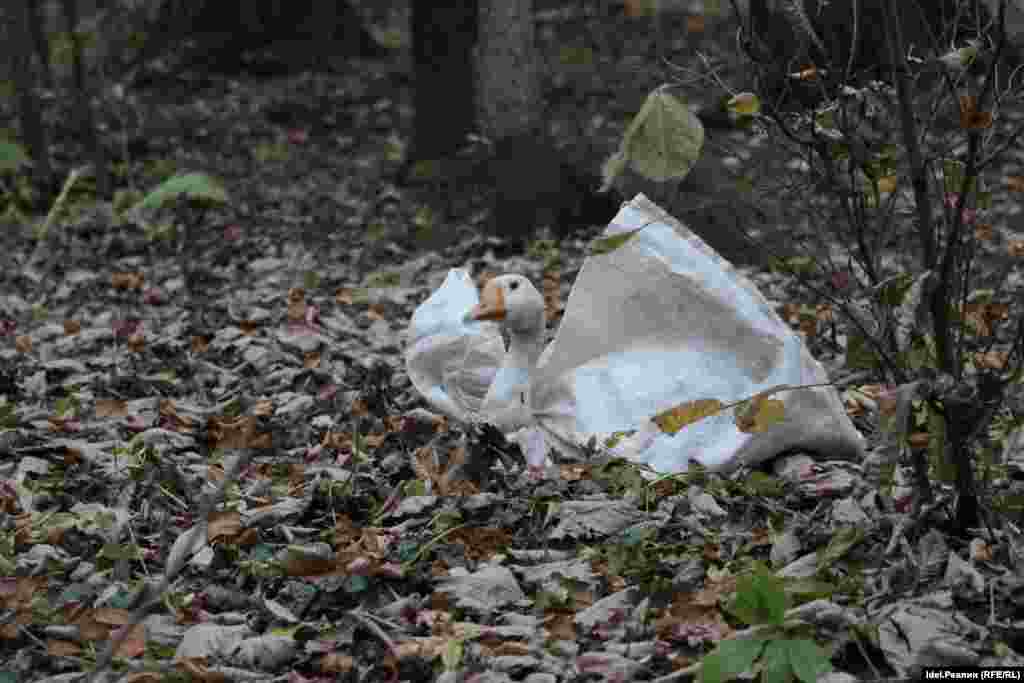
30,118
37,26
443,36
534,182
86,120
509,100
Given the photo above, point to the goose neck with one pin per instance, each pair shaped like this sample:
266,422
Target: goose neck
524,348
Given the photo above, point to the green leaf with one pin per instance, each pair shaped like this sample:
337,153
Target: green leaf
407,551
809,588
391,38
197,186
760,598
451,658
357,584
125,199
269,152
424,217
959,59
839,545
762,484
262,552
895,289
839,151
776,663
664,139
807,660
119,551
945,469
730,659
712,8
12,156
607,245
859,354
395,149
576,55
952,175
383,279
8,419
425,169
800,265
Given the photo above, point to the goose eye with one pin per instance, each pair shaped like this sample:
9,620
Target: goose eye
514,285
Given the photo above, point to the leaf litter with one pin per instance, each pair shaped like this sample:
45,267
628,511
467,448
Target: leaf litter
211,457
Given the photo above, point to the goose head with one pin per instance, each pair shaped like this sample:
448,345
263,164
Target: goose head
514,303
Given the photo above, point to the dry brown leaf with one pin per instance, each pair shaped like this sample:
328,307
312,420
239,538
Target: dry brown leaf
970,117
980,550
336,663
107,407
1015,183
127,281
137,343
919,440
62,648
984,232
344,295
143,677
223,526
991,360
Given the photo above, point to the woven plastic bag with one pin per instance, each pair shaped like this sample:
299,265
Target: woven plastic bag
657,322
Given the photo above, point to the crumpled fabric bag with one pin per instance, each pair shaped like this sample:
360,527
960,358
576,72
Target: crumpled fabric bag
659,321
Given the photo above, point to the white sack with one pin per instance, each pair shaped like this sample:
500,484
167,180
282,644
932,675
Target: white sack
660,321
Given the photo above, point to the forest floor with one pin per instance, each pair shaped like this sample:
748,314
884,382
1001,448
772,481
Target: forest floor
206,412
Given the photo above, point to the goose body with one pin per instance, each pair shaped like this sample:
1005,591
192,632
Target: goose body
657,322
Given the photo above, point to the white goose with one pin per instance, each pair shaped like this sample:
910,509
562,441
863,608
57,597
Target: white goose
657,322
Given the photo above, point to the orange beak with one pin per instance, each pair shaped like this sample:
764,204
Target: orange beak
491,306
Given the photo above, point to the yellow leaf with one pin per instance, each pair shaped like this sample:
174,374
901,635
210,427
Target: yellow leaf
745,103
609,244
759,412
674,419
887,184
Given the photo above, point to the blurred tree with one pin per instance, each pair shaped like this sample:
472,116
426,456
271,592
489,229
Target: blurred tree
222,32
534,182
83,103
18,41
509,77
443,37
37,28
